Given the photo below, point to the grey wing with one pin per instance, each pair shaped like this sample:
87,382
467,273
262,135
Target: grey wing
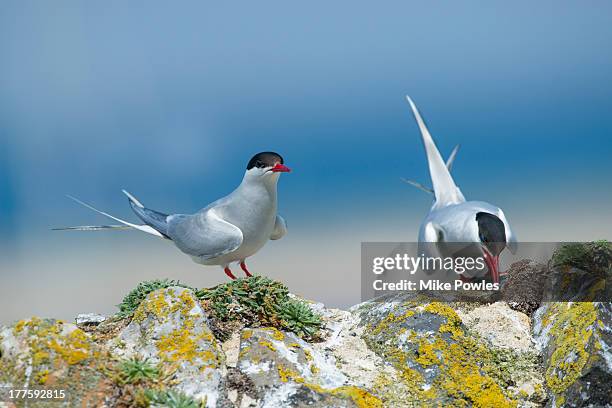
204,235
280,228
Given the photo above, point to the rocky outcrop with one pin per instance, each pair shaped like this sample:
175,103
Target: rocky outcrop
51,353
575,340
170,327
250,343
575,336
442,358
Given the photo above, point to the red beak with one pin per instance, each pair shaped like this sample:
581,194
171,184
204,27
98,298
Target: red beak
493,264
280,168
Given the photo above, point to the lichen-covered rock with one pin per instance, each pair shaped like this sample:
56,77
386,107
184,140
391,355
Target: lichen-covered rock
575,338
174,346
170,327
287,371
45,353
345,345
575,335
442,363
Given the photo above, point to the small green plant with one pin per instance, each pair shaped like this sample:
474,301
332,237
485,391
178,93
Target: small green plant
137,370
132,300
170,399
252,300
589,256
299,318
260,301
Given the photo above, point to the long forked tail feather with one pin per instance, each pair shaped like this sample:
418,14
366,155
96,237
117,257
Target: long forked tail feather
93,228
418,185
449,165
124,224
451,157
445,190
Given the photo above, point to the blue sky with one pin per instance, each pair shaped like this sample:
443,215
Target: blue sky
170,102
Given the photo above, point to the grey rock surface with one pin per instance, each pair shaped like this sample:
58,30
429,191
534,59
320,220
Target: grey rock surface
405,351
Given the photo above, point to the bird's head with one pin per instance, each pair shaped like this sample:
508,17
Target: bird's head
492,237
266,166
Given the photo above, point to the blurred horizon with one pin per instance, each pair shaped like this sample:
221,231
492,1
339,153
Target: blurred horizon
171,102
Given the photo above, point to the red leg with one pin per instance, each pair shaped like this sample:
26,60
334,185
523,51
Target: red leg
229,273
244,268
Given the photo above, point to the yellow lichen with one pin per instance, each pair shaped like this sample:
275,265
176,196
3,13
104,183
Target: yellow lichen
244,351
188,301
276,334
384,324
155,304
46,336
360,397
286,374
40,357
182,345
74,349
426,353
19,326
453,321
41,376
246,334
571,332
460,360
267,344
52,346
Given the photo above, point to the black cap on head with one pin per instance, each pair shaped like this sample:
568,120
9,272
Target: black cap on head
492,232
265,159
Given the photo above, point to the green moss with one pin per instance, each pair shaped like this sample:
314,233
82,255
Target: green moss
136,370
171,399
593,256
299,318
260,302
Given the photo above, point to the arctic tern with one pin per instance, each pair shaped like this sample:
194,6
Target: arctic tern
452,218
228,230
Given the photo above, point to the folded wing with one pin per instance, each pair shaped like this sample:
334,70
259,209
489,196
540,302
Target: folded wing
280,228
204,235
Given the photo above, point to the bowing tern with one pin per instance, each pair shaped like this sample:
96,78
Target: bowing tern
452,218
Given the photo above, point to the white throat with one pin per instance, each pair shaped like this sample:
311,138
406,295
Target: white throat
255,181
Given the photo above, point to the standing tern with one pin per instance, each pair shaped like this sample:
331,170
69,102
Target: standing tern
228,230
452,218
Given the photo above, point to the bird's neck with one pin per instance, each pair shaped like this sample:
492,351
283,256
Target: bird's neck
259,188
